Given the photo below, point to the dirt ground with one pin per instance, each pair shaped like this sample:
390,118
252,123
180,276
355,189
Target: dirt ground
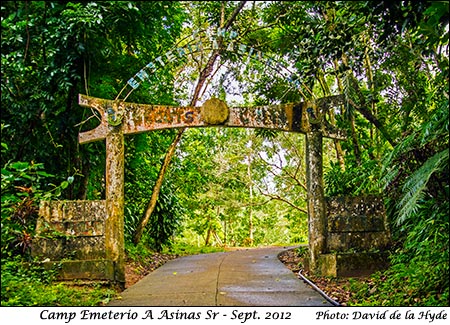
135,271
334,288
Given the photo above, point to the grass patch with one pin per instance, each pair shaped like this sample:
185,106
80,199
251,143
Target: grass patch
185,249
24,284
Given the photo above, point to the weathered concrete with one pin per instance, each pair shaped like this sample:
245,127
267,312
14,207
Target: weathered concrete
357,223
352,264
357,236
89,270
137,118
316,198
247,277
115,191
70,229
119,118
71,236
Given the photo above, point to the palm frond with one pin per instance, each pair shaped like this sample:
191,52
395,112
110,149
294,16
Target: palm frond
437,125
389,174
390,167
416,184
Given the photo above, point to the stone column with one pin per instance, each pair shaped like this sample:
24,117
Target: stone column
316,198
114,226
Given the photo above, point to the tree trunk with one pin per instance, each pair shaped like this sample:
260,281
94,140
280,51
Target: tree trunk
208,233
355,142
85,169
206,72
362,108
157,188
371,85
372,119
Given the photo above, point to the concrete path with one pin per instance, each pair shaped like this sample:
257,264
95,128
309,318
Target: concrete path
247,277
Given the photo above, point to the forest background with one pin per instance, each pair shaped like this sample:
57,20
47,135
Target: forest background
229,187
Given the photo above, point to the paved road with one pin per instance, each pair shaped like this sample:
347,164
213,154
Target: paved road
247,277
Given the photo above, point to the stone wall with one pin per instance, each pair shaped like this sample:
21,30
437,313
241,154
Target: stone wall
357,236
71,235
356,224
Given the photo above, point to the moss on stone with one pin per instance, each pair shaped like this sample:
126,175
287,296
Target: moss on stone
215,111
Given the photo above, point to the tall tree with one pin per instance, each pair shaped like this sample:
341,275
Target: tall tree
204,74
51,51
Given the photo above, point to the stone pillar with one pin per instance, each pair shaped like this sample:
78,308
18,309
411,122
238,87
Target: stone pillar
316,198
114,225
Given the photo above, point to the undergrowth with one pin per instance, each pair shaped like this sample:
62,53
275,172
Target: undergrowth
28,284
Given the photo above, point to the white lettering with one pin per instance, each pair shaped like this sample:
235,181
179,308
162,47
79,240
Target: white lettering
159,59
133,83
215,45
142,75
170,57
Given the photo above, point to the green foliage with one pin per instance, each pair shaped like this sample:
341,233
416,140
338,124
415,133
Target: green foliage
421,281
391,61
297,227
414,176
165,221
415,185
302,251
419,272
417,169
224,181
138,252
23,186
354,180
32,285
144,153
51,52
181,248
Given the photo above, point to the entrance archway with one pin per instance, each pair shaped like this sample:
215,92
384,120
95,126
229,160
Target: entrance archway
119,118
100,249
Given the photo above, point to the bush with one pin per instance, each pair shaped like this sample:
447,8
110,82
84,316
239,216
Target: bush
419,272
23,186
355,180
30,284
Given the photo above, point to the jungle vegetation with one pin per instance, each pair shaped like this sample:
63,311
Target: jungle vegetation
229,187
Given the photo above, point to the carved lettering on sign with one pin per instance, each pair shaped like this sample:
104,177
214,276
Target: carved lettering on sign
136,118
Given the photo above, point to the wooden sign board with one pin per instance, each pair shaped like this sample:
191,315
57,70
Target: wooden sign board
137,118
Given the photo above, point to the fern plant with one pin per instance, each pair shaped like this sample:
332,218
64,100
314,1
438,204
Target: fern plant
419,158
414,189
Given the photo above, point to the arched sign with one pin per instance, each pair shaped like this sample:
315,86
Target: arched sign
135,118
226,41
